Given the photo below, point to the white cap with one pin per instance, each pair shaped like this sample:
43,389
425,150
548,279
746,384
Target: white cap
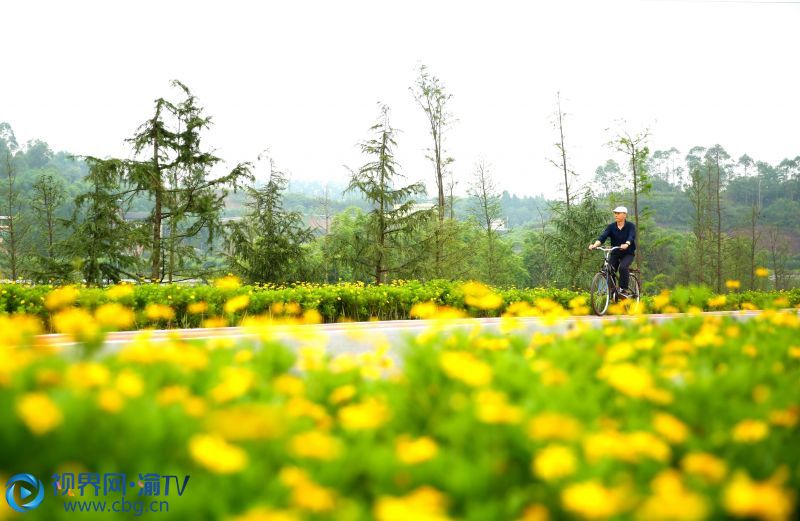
620,209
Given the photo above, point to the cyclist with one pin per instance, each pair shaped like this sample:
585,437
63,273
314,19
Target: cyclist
622,234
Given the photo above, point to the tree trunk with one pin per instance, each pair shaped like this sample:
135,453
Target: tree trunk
636,207
563,151
719,228
155,274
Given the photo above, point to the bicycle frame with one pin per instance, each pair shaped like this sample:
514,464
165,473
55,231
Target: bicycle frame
610,273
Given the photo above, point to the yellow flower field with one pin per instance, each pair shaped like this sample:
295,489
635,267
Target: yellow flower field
696,418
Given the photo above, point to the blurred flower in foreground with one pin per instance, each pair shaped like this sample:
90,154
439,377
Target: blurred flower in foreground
591,500
424,503
480,296
762,272
765,500
39,413
733,284
156,312
216,455
229,282
413,451
60,297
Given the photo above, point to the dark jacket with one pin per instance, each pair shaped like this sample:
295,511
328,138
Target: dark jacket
619,237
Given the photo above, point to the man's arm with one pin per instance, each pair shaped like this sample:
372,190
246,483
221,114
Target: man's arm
631,234
600,240
630,238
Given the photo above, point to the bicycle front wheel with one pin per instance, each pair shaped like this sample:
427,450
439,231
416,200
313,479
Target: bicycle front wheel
636,294
599,294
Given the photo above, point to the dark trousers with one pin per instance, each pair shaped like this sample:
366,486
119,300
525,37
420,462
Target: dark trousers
623,263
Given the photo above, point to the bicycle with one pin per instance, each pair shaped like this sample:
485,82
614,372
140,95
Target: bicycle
604,287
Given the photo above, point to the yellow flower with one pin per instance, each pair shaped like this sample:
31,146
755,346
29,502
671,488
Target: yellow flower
554,462
672,501
424,310
492,343
553,426
750,431
266,514
119,291
197,308
236,381
671,428
618,352
38,412
704,465
628,379
293,476
156,312
84,375
228,283
307,495
342,394
661,300
114,316
717,302
648,445
765,500
762,272
243,356
733,284
628,447
110,400
300,407
413,451
172,394
237,303
785,418
246,421
423,504
77,323
535,512
194,406
367,415
289,385
590,500
216,455
464,366
480,296
129,384
58,298
315,445
214,322
493,407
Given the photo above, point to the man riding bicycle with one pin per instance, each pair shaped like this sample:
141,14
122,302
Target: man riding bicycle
622,234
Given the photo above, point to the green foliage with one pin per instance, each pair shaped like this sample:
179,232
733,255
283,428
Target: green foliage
268,244
570,263
392,219
176,175
99,246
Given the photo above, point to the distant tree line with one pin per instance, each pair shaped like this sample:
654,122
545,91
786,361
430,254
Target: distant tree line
170,212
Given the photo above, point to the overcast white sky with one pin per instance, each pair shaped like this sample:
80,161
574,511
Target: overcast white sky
303,77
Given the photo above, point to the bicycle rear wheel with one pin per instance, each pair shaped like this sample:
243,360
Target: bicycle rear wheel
599,294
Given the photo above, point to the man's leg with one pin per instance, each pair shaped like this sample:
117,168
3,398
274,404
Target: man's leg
625,271
613,261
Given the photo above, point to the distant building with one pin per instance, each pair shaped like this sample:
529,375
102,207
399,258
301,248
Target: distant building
320,223
500,225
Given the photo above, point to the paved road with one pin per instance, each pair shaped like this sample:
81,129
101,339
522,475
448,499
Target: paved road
359,337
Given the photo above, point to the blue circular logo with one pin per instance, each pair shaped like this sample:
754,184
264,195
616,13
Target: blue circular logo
28,489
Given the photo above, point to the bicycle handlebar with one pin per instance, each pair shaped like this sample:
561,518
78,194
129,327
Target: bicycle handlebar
607,249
